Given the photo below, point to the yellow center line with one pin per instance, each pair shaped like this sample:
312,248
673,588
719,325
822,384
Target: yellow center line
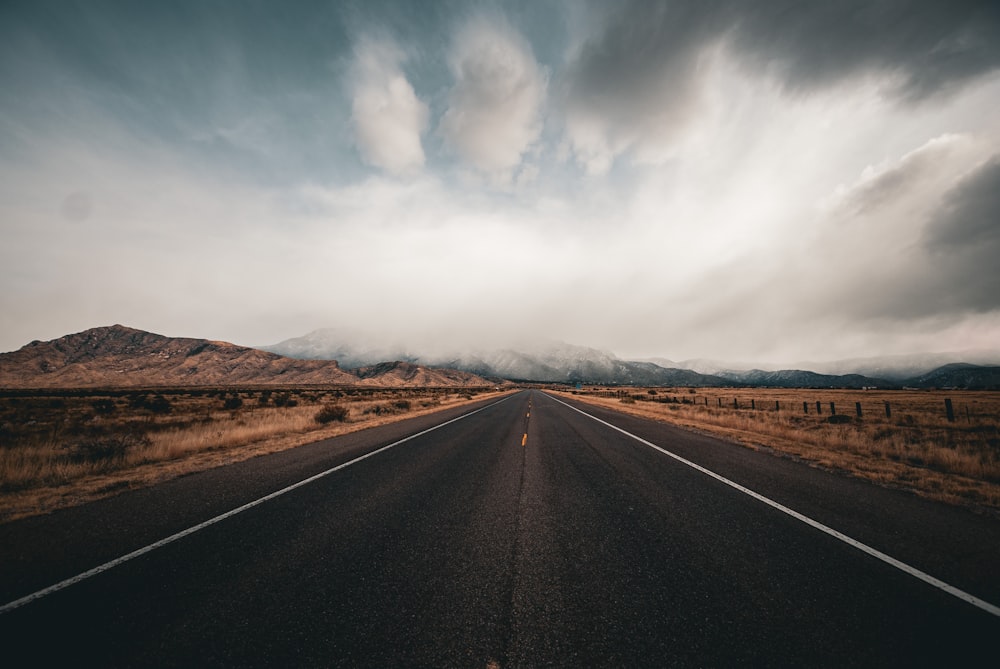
524,439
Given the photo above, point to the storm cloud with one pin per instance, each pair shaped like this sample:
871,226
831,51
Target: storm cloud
638,78
766,181
963,239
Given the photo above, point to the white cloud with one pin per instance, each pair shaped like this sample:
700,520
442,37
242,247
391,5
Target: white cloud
388,116
913,182
494,108
796,223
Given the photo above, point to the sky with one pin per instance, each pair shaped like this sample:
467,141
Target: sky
755,181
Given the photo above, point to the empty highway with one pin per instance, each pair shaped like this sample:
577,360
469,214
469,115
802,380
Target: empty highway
527,532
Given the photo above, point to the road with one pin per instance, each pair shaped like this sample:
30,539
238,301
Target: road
525,534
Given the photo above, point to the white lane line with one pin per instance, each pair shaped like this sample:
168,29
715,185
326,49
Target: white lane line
10,606
888,559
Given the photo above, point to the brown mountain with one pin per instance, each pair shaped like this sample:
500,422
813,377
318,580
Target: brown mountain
118,356
392,374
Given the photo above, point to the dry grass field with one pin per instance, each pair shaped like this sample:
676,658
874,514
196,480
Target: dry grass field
912,446
61,448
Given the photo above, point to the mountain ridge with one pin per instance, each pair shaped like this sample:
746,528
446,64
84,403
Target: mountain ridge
119,356
540,362
559,362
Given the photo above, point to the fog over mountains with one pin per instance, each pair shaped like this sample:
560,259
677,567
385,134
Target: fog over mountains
896,368
552,361
122,356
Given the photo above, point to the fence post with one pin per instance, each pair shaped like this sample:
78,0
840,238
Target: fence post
819,408
805,407
857,407
720,402
753,404
949,410
833,409
888,410
777,405
736,404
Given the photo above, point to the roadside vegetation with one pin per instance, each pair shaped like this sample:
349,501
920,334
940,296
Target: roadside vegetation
901,439
64,447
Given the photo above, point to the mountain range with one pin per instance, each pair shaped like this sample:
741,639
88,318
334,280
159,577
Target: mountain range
558,362
895,368
119,356
539,361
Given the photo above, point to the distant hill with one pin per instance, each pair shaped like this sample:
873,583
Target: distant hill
405,374
895,369
119,356
797,378
539,361
558,362
959,375
905,367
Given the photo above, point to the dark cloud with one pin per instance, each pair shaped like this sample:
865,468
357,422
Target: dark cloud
949,272
642,50
932,46
635,79
643,62
970,216
963,240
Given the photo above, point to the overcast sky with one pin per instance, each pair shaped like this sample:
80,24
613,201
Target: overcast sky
765,181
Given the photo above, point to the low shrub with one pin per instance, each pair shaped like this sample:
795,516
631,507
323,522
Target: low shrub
331,413
284,400
105,450
103,405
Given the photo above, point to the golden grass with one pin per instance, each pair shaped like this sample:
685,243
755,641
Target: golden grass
45,464
916,448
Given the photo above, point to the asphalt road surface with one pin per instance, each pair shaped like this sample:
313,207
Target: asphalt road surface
526,534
